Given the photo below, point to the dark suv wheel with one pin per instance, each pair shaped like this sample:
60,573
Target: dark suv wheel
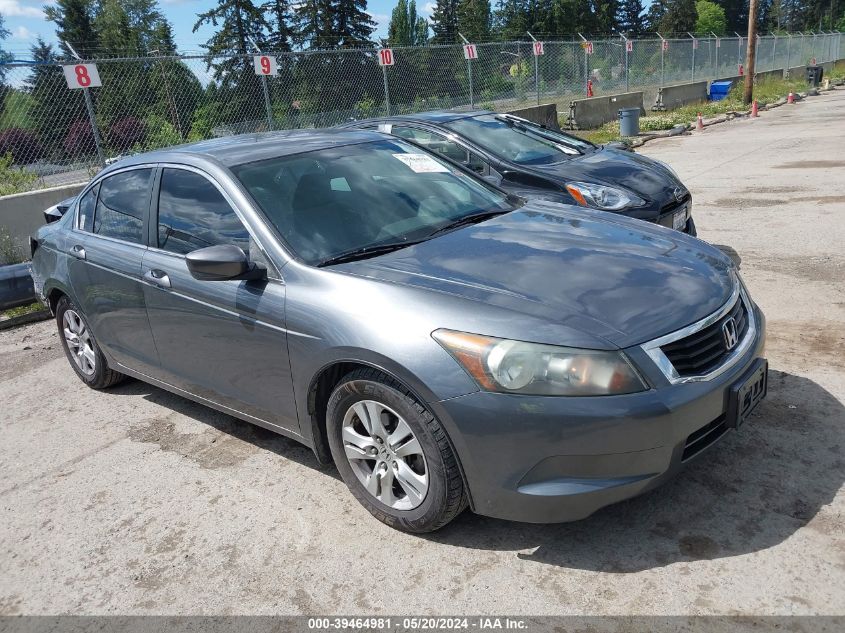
393,454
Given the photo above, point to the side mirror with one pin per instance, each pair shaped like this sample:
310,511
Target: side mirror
221,263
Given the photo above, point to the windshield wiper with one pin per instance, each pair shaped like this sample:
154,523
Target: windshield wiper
365,252
472,218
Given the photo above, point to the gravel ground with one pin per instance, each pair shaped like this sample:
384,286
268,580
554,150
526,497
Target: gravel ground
138,501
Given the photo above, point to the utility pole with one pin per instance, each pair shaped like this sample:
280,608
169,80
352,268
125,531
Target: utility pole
751,50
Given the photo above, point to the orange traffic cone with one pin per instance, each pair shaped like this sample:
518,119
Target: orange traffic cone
754,109
790,98
699,125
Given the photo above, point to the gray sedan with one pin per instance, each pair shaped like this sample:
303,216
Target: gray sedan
443,343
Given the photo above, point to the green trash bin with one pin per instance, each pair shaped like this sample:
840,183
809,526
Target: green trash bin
814,76
629,121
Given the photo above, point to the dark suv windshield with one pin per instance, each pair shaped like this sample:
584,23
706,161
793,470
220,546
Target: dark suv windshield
336,200
519,141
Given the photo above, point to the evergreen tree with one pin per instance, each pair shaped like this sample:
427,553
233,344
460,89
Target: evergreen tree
630,17
313,24
4,57
511,19
352,24
474,19
144,18
406,27
114,33
607,16
229,53
281,16
74,25
444,22
680,17
52,117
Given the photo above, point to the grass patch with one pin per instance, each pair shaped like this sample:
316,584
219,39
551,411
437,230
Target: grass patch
21,310
767,91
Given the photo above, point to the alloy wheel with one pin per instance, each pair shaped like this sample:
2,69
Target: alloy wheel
79,342
385,455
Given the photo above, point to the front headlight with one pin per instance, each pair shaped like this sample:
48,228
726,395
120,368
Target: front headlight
507,366
602,197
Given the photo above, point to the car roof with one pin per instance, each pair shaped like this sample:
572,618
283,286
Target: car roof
247,148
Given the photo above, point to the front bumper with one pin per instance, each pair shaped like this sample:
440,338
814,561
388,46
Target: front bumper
550,460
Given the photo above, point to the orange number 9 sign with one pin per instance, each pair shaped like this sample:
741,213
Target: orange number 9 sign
265,65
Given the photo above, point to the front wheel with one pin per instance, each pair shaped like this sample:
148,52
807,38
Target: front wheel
81,349
393,454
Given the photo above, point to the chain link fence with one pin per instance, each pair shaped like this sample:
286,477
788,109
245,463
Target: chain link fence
57,135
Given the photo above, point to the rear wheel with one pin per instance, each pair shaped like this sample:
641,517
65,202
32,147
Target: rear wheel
393,454
81,349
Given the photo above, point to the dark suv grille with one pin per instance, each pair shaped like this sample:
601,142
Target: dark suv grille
705,350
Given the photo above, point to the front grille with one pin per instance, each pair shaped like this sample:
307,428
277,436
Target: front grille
704,437
703,351
675,204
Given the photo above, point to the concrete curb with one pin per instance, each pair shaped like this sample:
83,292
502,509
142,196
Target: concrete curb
30,317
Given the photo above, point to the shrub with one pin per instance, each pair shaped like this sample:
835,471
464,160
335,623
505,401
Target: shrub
14,179
22,145
161,133
126,132
80,140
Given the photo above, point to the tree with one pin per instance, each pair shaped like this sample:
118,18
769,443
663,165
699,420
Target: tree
511,19
679,17
228,53
51,117
474,19
630,17
114,32
74,25
281,33
407,28
711,18
353,26
4,57
444,22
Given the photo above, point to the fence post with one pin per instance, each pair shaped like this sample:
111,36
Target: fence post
386,90
89,106
469,75
267,107
662,58
627,87
536,68
693,55
788,47
717,44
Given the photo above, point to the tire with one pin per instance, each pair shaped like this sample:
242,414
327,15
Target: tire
691,230
97,377
432,458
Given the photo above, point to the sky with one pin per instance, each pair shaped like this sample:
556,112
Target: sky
25,20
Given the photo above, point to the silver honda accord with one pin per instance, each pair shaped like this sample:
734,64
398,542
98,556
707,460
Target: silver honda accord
443,343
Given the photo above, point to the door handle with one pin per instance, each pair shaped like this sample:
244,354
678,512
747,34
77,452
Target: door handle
157,277
78,252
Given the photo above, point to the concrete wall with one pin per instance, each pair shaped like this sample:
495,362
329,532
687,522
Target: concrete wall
541,115
21,213
769,74
585,114
671,97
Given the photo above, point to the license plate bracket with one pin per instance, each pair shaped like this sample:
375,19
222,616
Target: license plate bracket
747,392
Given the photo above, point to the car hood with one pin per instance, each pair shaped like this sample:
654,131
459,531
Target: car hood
613,278
640,174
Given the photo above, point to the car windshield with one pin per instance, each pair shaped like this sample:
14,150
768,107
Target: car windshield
339,200
519,141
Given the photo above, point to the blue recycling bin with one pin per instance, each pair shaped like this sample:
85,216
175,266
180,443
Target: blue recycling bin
720,89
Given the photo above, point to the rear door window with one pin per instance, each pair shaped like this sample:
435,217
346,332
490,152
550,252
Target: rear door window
122,204
87,204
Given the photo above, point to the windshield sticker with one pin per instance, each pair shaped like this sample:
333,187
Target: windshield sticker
421,163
